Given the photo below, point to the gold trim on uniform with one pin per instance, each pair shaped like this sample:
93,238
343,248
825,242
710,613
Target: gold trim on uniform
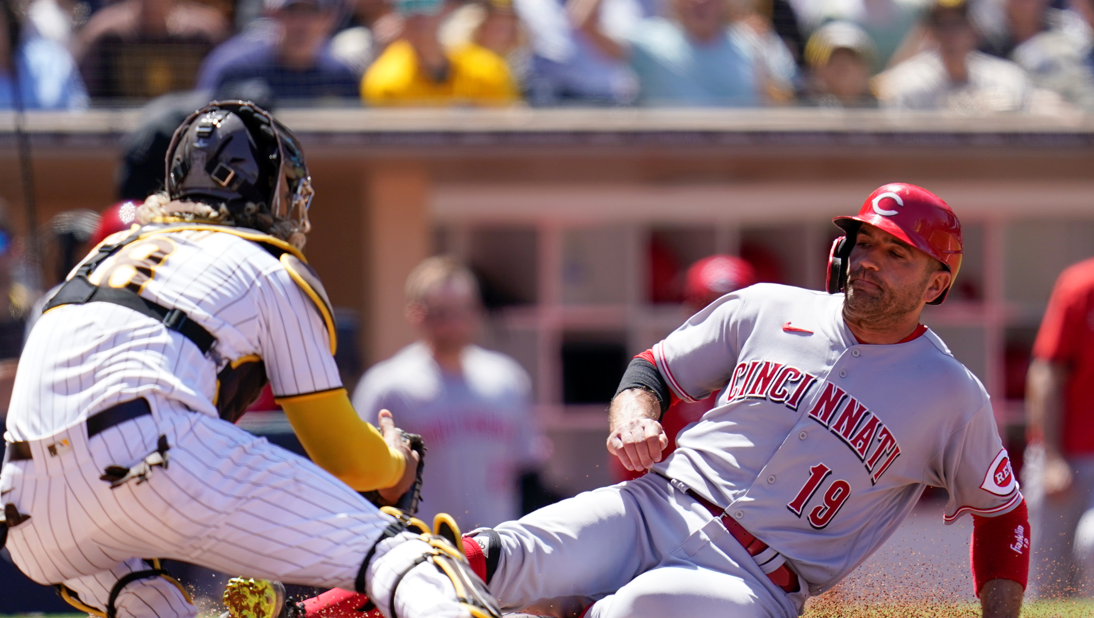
309,396
308,281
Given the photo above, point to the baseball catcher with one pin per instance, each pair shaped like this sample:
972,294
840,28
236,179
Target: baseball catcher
120,439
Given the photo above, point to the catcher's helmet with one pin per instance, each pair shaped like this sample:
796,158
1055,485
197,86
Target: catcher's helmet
715,276
912,214
234,153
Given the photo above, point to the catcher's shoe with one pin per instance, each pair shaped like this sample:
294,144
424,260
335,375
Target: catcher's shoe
259,598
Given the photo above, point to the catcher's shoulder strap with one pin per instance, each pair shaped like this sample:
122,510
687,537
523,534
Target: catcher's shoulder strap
79,290
292,260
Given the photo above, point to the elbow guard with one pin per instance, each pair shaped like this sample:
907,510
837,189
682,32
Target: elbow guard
336,439
1000,547
642,373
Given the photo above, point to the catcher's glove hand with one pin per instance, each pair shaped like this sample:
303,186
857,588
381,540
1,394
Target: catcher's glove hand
408,502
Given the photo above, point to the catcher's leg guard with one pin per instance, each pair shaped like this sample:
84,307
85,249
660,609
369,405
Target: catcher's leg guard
403,584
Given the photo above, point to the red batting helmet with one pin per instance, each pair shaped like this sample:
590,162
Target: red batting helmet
715,276
120,216
912,214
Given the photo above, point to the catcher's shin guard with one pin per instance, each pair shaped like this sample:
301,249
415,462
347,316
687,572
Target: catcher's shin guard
401,584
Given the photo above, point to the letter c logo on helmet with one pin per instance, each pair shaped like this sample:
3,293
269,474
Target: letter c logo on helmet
919,218
886,213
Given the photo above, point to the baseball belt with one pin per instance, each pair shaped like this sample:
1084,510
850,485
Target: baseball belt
96,424
782,577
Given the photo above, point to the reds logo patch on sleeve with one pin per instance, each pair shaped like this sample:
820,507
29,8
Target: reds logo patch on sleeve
1000,477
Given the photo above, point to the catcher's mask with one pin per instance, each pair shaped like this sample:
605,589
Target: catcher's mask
235,153
912,214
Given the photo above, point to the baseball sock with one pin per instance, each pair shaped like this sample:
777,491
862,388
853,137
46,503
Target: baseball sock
475,557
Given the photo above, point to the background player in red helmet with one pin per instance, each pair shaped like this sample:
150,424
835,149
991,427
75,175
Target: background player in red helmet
706,281
119,217
834,412
713,277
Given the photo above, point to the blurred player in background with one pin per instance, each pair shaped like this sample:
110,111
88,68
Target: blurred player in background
1059,466
470,405
705,282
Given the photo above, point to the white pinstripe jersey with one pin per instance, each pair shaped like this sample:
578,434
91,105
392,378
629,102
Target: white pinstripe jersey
819,445
80,359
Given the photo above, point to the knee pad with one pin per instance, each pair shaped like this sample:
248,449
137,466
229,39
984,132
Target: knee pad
155,571
396,554
111,611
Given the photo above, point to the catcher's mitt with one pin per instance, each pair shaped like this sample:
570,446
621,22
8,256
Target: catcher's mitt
408,502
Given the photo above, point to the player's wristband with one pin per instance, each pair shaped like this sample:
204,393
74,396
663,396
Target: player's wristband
642,373
1000,547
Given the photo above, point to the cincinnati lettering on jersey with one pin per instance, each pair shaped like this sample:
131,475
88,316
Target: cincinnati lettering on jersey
843,415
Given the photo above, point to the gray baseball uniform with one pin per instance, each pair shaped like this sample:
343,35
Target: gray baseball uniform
819,446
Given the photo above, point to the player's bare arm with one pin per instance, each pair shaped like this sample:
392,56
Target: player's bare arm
635,436
395,440
1001,598
1044,411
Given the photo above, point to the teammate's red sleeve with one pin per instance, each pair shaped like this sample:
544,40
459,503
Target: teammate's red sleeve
647,356
1000,547
1066,313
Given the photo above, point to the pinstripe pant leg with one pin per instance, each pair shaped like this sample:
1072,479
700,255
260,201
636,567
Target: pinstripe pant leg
227,500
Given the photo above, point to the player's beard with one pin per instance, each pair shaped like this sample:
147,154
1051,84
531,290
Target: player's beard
879,307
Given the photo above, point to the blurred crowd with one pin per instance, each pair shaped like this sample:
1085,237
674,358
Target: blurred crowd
972,56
